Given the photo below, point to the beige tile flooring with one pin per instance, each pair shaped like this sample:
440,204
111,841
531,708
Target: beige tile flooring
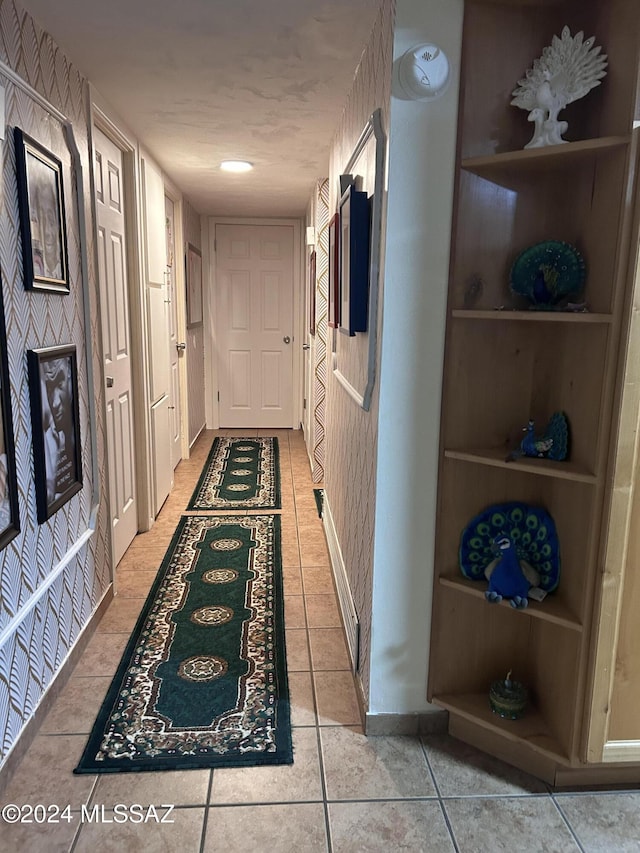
344,793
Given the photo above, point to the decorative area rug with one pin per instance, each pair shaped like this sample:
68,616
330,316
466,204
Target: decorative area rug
203,680
240,473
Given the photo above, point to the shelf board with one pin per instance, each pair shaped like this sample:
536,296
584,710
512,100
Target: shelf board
495,458
498,167
531,729
508,316
550,610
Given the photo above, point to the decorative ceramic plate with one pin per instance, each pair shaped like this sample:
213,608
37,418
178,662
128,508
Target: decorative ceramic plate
548,273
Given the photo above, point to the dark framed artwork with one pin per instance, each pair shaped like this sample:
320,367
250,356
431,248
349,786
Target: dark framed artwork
354,260
42,216
55,423
334,272
9,517
312,293
194,286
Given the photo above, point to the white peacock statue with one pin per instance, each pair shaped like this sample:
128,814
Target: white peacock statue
568,68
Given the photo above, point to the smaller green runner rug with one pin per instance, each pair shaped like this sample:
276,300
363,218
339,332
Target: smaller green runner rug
240,473
203,680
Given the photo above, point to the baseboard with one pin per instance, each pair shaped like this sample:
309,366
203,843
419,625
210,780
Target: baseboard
30,730
345,600
431,723
197,435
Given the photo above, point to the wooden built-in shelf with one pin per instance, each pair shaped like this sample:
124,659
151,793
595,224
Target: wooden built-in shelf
551,609
495,458
502,361
531,729
499,167
507,315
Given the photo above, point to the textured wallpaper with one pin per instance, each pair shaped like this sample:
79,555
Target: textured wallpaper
319,345
351,439
195,338
41,615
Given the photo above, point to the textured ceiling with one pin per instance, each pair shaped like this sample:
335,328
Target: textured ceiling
202,80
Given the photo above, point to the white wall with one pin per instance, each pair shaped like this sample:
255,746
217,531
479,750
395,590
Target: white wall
422,144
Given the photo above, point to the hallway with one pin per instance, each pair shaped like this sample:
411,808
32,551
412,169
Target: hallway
343,792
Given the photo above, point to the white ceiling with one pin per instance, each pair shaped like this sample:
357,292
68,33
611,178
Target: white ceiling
198,81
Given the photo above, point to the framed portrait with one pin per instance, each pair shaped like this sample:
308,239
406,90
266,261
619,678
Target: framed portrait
334,272
55,423
42,216
9,518
312,293
354,260
194,286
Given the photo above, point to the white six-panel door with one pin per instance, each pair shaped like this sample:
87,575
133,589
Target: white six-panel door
114,308
174,369
155,255
254,329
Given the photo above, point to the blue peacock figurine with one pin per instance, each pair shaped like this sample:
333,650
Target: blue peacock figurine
552,444
515,547
548,274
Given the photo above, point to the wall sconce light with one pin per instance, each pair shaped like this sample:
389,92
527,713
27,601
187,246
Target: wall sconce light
422,73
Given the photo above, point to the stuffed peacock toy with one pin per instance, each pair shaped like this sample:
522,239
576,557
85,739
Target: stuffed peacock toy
552,444
515,547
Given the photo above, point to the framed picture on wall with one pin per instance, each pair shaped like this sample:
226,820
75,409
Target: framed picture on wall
334,272
194,286
55,424
42,216
355,229
9,518
312,293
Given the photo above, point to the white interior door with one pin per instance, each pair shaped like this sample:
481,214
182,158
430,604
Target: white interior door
174,364
114,310
254,279
158,324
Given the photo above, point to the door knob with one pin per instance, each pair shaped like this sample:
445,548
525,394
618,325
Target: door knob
287,339
109,381
181,347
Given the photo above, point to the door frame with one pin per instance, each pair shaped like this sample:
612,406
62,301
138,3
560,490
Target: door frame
212,408
179,284
101,118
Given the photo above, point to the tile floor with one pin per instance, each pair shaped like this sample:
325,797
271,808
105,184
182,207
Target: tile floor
344,793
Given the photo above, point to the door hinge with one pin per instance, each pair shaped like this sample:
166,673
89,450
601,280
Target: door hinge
304,403
218,396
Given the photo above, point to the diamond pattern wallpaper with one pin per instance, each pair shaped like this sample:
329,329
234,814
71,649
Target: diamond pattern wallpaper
351,439
319,348
45,596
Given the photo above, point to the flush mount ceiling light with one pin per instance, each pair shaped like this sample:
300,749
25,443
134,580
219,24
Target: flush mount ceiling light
236,166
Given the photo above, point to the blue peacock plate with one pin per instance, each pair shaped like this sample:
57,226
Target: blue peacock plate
532,530
548,273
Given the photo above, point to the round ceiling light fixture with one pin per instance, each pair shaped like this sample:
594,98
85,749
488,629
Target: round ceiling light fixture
236,166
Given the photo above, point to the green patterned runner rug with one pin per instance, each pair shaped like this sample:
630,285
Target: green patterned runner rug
240,473
203,680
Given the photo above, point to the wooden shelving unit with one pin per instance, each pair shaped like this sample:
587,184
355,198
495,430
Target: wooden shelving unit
505,364
513,316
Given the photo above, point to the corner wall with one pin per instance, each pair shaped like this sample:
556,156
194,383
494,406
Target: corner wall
422,150
47,593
